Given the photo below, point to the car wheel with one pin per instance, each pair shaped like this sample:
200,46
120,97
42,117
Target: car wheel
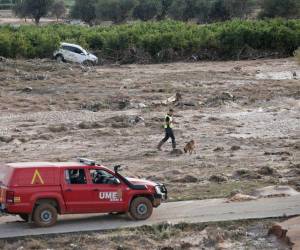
88,63
45,215
60,58
141,208
24,217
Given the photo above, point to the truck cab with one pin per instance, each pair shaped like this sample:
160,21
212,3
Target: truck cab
39,191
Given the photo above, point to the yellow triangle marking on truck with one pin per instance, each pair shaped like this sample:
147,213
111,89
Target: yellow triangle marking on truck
37,175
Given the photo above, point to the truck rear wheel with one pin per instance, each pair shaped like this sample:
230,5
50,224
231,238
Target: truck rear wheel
45,215
24,217
141,208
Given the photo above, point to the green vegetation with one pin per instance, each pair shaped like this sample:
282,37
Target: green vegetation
114,10
201,11
280,8
6,4
69,3
161,41
38,9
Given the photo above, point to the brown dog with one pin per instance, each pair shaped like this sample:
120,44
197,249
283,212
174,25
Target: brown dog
190,147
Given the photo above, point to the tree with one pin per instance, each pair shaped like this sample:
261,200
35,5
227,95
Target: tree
115,10
147,9
183,9
84,10
219,11
58,9
280,8
165,6
20,10
37,8
202,10
239,8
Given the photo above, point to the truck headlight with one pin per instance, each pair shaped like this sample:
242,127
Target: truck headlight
158,190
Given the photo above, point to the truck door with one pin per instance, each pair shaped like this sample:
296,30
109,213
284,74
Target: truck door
77,192
109,193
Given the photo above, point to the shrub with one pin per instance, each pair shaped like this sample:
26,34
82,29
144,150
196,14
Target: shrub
164,40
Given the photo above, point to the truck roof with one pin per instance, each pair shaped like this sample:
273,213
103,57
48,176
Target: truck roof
45,164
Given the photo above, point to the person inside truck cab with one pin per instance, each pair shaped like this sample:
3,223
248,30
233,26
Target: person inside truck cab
76,176
101,177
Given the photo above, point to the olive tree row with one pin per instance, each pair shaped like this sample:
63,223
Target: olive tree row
39,8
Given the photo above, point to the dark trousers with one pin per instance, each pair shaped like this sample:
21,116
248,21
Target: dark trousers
168,134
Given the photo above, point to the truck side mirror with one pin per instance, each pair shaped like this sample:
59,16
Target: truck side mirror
116,181
117,168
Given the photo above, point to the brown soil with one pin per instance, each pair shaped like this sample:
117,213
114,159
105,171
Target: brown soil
242,122
226,235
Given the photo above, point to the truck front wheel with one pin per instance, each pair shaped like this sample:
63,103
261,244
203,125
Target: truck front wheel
141,208
45,215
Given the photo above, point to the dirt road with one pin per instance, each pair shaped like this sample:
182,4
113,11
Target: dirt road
172,212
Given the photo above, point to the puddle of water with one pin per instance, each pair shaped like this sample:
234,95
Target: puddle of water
283,75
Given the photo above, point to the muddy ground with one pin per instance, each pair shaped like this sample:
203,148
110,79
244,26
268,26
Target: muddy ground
244,117
226,235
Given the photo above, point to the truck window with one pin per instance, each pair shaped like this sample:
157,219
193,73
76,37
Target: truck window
101,176
75,176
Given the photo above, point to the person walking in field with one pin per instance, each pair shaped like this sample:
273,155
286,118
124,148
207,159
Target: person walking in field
168,125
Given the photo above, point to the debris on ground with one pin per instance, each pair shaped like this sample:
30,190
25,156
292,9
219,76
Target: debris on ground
90,125
244,173
218,149
219,100
124,121
288,231
93,106
274,191
173,99
241,197
235,148
27,89
187,179
267,170
278,153
6,138
57,128
218,178
137,105
176,152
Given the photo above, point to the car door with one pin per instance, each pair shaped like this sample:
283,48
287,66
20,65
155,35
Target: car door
78,55
109,193
77,192
67,53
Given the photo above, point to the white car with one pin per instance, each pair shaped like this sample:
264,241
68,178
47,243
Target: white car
74,53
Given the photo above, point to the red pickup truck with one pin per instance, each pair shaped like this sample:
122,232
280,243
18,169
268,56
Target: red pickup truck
39,191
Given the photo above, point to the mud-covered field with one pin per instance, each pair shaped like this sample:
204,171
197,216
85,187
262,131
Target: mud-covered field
244,117
227,235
